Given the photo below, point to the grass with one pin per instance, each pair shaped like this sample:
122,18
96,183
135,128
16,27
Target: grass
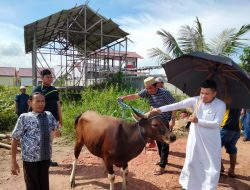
103,101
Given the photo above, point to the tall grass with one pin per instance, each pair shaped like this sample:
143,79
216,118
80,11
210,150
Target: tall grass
103,101
7,107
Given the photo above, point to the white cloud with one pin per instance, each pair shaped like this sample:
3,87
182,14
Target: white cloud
170,15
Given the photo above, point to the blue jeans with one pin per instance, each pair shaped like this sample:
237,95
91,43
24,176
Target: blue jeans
229,139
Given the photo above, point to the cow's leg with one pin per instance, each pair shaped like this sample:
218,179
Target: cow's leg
111,175
111,178
124,177
77,150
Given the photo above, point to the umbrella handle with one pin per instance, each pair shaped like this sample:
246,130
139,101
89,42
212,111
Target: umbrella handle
196,107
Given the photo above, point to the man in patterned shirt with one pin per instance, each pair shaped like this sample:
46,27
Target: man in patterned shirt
157,97
33,130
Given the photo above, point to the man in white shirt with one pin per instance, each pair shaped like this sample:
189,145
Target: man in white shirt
202,165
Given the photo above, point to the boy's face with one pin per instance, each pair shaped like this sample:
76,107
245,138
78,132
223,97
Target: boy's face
37,103
47,80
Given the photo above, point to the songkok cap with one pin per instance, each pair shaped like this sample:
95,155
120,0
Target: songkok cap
22,87
159,79
149,81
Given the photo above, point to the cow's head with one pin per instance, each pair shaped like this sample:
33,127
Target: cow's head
154,126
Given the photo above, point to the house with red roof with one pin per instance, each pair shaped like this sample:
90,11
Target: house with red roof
8,76
24,76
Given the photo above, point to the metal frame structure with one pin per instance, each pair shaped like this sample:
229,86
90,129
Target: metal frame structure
87,45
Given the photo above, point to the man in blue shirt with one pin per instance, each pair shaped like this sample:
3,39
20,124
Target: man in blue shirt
156,98
22,101
33,131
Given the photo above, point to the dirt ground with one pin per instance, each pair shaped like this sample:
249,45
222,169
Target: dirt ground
90,174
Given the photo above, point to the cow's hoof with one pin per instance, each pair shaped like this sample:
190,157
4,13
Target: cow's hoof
72,184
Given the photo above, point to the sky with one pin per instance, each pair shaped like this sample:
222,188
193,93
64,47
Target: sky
140,18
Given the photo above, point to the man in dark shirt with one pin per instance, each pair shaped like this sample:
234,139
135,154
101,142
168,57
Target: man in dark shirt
51,98
230,134
22,101
157,97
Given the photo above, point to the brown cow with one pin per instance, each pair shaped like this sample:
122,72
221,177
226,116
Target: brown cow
115,140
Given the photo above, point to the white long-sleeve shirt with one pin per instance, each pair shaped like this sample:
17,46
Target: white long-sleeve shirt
201,169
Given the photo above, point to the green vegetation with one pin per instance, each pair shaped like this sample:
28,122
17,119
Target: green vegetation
7,107
245,59
191,39
103,101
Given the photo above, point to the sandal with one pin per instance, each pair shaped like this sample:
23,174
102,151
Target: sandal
159,171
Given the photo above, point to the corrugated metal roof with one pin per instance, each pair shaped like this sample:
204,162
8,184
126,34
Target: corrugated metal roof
7,71
117,54
54,26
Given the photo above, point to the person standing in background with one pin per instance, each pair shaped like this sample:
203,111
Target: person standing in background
21,101
159,82
52,99
230,134
246,124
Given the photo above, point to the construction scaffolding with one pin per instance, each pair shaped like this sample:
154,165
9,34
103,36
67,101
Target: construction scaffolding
87,46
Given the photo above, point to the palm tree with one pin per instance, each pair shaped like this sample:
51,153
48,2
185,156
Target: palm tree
191,39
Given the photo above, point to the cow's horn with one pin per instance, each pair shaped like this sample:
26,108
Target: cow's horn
138,114
135,117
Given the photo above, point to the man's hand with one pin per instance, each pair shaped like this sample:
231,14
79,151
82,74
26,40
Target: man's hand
193,119
59,125
120,99
156,110
15,168
57,133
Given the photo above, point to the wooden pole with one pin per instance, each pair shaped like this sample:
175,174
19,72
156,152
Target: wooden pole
8,146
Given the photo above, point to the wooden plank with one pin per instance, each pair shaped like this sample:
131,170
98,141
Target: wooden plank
8,146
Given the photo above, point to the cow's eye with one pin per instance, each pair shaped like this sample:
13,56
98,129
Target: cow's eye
155,126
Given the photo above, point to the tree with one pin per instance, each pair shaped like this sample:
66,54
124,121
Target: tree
245,59
191,39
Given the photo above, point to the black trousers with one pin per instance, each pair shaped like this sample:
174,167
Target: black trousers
36,175
163,149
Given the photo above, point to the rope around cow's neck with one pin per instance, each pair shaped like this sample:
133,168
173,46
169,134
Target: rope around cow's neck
141,135
124,107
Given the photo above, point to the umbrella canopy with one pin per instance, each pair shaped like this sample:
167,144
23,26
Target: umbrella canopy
187,72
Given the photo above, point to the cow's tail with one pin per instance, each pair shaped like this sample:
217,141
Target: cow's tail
77,118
